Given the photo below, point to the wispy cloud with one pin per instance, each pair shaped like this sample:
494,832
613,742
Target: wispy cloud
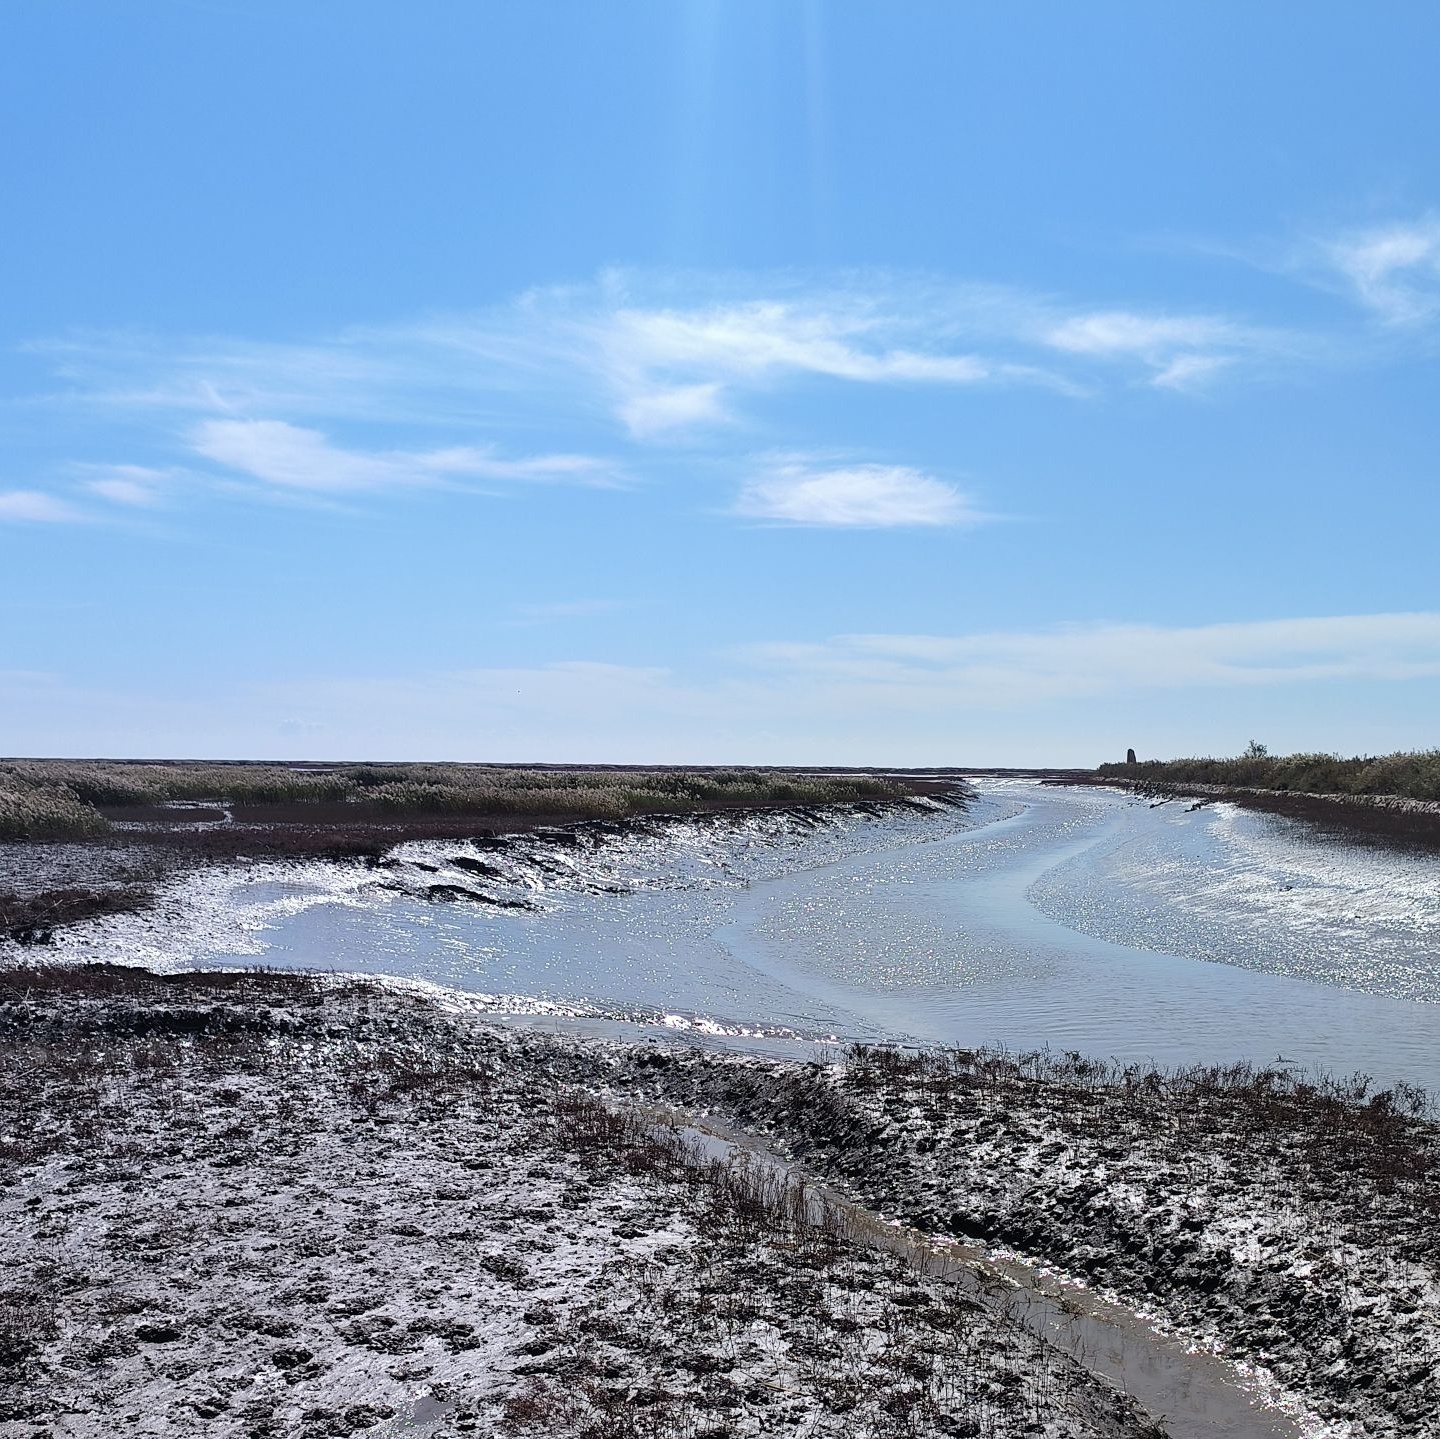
1393,269
666,409
135,486
295,457
683,362
632,363
827,335
1179,351
654,354
798,491
1121,332
1189,372
36,507
1015,668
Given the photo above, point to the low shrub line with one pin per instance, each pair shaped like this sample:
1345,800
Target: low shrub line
1406,774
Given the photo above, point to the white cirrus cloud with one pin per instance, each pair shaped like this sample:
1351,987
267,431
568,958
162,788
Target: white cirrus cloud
1189,372
1393,269
37,507
674,407
1180,351
658,352
1071,661
135,486
124,492
663,359
855,496
766,337
1123,332
671,366
296,457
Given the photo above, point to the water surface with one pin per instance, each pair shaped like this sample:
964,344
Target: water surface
1077,918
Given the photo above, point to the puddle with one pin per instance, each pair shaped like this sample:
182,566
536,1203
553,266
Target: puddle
425,1414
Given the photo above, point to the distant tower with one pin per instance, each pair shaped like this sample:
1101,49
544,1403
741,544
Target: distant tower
1130,756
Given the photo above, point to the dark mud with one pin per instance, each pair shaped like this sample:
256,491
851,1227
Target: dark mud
45,885
262,1205
34,918
1296,1228
1288,1223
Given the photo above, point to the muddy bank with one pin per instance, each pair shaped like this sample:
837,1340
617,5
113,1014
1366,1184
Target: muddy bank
45,885
33,919
269,1206
1385,819
1293,1227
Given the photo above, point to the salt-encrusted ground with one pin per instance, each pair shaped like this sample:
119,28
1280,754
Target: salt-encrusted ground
265,1206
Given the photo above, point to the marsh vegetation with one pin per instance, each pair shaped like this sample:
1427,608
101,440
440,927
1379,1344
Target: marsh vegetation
68,799
1411,774
1392,798
129,825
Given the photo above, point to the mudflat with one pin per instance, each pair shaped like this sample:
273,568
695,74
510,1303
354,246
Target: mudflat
253,1203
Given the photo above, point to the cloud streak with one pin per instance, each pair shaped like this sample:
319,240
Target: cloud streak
638,365
276,452
133,486
652,356
36,507
1393,269
1072,661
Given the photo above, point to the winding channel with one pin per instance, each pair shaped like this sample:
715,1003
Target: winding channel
1074,918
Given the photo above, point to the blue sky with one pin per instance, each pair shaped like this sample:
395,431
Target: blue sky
748,382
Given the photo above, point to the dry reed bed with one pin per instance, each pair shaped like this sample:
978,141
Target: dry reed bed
50,809
64,799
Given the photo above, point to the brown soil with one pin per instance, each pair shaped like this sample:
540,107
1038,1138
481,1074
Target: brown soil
31,919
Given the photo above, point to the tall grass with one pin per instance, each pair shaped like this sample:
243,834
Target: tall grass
44,799
1412,775
46,812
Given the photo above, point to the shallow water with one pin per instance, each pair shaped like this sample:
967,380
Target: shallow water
1077,918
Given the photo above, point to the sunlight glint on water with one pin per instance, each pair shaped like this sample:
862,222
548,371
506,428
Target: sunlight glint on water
1078,918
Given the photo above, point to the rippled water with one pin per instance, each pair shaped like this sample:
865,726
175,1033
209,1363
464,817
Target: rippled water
1078,918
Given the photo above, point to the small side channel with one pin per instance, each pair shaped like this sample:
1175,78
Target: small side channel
1192,1393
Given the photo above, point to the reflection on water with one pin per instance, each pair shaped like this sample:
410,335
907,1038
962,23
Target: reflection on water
1226,884
1080,918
